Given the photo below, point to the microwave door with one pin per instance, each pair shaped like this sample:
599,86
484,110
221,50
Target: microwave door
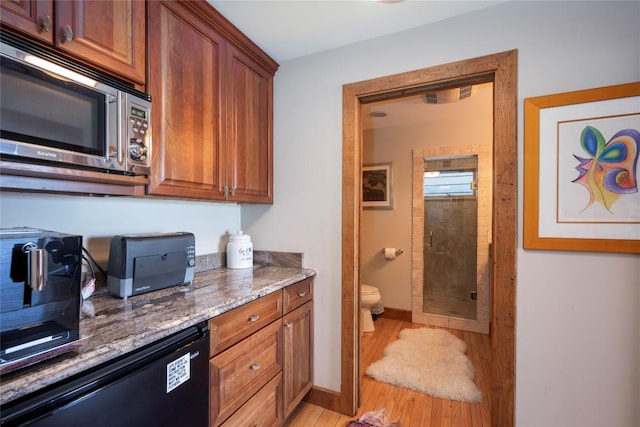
114,151
56,120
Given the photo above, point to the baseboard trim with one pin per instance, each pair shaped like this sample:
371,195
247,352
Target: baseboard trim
324,398
396,314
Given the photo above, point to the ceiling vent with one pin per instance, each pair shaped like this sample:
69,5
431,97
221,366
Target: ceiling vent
446,96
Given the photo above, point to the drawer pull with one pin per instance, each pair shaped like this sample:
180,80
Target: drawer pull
254,318
288,324
302,293
255,366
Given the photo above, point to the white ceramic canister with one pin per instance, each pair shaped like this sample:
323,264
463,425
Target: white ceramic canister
239,251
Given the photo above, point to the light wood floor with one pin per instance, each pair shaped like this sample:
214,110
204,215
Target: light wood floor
409,408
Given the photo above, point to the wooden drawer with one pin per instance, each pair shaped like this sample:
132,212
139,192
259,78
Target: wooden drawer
237,324
239,372
264,409
297,294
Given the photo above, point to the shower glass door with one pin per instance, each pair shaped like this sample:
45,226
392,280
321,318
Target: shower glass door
450,236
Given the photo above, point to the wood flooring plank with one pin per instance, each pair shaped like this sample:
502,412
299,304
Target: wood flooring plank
476,416
456,413
428,412
367,387
312,416
342,421
329,419
447,406
465,414
408,408
436,413
419,402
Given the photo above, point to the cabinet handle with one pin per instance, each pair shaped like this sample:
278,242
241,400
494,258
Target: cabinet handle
255,366
45,24
254,318
302,293
67,34
288,324
233,191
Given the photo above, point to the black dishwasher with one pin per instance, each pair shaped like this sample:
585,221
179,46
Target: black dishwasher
165,384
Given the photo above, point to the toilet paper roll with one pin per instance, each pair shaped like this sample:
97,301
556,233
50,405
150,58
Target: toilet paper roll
390,253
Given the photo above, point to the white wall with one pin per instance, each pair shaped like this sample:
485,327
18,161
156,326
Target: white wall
578,323
390,228
98,219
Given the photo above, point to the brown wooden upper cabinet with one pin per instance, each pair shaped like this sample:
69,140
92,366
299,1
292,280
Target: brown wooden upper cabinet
212,92
108,35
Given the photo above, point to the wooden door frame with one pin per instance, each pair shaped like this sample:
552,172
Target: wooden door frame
503,68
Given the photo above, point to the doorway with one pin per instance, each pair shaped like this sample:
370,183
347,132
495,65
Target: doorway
501,69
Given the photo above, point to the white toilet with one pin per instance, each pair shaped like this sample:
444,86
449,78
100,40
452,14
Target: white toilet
369,296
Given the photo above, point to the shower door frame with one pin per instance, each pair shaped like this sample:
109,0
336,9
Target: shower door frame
481,323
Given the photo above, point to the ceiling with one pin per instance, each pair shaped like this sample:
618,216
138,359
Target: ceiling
287,29
413,110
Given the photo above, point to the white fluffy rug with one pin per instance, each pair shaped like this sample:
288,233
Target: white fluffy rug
429,360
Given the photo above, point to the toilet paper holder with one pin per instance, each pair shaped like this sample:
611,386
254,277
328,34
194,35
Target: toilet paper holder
398,251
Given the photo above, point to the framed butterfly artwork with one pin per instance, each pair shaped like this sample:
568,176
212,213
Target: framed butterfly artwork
581,170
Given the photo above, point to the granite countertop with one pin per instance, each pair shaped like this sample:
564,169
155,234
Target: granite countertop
118,326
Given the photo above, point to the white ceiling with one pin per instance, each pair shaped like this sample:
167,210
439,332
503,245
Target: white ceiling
287,29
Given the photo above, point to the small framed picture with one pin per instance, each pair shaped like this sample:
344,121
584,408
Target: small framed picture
377,186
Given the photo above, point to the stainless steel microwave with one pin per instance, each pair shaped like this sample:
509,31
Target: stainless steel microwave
54,111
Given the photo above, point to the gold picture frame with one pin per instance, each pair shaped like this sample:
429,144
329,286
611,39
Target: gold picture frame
581,151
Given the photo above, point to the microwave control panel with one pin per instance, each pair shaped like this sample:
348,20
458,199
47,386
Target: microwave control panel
139,134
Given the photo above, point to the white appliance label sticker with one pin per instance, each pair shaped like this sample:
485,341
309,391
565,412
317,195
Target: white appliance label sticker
178,372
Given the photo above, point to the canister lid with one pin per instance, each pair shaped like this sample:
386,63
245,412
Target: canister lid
240,237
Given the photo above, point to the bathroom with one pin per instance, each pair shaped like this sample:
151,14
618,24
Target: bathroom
456,131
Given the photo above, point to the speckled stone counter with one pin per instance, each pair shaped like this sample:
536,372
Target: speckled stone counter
119,326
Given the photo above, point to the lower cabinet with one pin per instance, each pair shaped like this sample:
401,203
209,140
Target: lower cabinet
298,347
261,363
263,409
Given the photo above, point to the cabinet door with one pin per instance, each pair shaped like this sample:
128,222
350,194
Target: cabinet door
298,356
109,33
184,82
249,134
32,17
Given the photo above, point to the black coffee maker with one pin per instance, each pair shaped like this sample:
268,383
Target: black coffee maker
40,273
